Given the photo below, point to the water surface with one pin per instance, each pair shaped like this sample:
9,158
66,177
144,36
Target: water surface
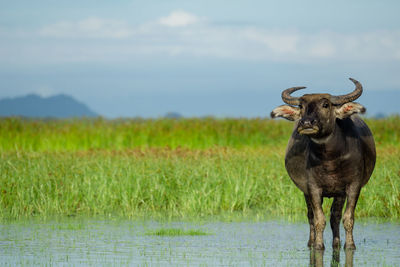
83,242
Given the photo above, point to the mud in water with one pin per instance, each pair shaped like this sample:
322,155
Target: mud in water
81,242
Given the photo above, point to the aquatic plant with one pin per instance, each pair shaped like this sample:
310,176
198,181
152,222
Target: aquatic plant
175,232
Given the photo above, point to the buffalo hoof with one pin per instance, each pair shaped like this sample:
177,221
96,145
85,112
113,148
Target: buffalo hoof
310,243
351,246
336,243
319,246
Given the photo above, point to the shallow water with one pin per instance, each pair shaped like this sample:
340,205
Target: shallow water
106,242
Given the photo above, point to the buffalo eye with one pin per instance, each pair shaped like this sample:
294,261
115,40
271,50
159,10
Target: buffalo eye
325,105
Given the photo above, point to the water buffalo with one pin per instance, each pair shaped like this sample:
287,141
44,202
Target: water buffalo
331,153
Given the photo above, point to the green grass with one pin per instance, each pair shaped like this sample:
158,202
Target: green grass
176,232
92,134
189,168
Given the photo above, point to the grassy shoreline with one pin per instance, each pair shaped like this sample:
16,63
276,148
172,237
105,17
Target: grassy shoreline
173,182
18,134
221,173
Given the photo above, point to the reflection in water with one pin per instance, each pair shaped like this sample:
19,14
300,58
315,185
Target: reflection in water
335,262
349,257
317,258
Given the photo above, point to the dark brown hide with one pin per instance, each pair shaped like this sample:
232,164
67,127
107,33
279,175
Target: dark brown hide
331,153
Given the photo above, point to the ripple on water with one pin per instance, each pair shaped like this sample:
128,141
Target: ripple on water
280,243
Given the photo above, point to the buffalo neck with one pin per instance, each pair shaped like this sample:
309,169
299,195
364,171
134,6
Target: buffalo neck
329,147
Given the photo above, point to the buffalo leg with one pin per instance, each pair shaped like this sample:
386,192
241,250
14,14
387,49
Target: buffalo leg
310,216
352,193
319,217
336,216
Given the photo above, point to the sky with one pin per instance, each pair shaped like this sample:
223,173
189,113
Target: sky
199,58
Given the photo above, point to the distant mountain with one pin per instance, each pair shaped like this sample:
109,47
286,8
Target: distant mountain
58,106
173,115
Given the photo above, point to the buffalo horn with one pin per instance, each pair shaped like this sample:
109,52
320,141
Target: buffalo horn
291,100
341,99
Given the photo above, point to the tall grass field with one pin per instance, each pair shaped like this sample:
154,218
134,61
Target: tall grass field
186,168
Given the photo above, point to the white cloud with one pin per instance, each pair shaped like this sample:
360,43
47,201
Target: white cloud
45,91
280,42
322,50
182,34
88,28
178,19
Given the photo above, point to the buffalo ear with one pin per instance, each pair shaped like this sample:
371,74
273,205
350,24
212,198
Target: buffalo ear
287,112
348,109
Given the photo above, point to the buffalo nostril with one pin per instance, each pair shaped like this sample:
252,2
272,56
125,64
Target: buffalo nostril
306,123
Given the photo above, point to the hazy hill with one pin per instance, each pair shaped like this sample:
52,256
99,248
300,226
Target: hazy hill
58,106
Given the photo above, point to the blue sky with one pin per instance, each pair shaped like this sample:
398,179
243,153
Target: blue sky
223,58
